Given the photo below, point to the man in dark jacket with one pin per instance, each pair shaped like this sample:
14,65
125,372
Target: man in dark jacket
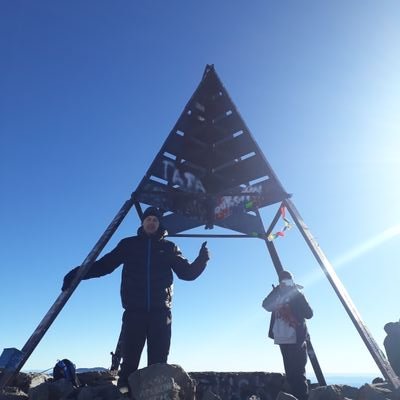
288,328
148,260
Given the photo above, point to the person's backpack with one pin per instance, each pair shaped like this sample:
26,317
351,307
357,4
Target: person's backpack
65,369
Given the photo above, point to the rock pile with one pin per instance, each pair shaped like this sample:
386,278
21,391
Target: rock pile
171,382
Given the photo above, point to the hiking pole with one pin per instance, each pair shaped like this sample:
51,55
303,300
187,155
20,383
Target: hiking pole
116,356
13,359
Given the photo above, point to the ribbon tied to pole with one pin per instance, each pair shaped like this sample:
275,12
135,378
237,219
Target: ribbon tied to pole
287,225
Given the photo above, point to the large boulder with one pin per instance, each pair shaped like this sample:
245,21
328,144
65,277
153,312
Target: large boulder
161,381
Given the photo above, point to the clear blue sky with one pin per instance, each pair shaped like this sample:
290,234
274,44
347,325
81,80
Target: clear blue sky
89,90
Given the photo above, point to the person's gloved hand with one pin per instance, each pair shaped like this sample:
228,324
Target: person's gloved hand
69,278
204,254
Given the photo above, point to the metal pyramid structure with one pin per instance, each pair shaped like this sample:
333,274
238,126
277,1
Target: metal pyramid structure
210,170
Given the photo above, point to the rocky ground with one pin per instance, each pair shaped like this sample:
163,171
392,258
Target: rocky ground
171,382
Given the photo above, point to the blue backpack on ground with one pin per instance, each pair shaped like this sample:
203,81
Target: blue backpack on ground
65,369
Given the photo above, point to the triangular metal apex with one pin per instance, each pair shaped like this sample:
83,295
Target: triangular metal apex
210,169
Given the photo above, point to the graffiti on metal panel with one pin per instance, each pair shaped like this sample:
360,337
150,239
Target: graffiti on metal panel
185,180
183,202
226,204
199,204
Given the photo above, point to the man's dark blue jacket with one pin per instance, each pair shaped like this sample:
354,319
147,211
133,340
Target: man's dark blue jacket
148,262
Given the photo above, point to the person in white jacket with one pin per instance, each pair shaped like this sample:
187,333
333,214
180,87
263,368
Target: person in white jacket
288,328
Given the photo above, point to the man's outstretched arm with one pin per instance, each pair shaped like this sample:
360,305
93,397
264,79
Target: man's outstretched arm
190,271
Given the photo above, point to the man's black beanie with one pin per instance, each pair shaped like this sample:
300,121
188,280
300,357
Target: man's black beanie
152,211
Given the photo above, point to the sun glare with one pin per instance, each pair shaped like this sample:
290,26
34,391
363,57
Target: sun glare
367,246
356,252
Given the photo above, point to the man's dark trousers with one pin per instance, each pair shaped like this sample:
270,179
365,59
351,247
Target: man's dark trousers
137,327
295,360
